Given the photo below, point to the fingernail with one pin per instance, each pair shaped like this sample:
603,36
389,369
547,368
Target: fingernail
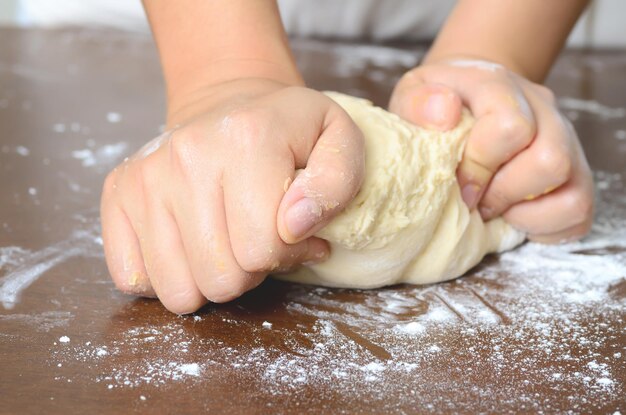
470,194
434,108
302,216
437,110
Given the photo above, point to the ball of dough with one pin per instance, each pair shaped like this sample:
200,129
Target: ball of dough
408,223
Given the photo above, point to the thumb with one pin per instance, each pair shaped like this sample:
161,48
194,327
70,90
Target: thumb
331,179
428,105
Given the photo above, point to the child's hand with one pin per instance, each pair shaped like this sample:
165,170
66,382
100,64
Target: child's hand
207,211
522,160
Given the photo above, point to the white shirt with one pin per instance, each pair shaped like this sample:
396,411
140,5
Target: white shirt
602,25
370,19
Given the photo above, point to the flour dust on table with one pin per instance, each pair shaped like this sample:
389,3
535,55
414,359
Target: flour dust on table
527,312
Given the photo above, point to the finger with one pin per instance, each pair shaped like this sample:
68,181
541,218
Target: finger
253,189
428,105
544,166
331,178
167,264
121,246
251,199
553,215
504,127
161,246
199,214
202,222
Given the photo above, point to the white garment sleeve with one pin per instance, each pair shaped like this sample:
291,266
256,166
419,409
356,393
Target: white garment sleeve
365,19
346,19
119,14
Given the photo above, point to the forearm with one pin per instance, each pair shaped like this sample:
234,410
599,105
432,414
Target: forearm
525,36
204,43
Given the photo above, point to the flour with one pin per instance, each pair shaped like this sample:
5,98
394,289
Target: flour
22,151
22,267
43,322
190,369
370,61
591,107
104,156
410,343
114,117
147,370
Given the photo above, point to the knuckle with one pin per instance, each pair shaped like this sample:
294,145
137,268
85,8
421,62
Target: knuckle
579,206
146,176
496,200
183,147
546,93
555,164
517,129
227,287
247,126
260,262
259,256
140,184
109,185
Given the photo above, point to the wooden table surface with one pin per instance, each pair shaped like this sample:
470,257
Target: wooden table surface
540,329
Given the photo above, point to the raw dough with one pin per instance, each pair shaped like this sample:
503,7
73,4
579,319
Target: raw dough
408,223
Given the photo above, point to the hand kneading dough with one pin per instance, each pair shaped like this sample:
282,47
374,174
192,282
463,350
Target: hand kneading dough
408,223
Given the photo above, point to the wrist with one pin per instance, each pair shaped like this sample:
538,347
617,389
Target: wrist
204,98
205,43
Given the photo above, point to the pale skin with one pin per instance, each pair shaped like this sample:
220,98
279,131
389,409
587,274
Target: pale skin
216,205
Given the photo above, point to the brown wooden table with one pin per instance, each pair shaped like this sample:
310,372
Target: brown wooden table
539,330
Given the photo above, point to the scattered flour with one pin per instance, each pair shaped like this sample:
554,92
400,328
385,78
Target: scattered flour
22,151
411,328
191,369
114,117
43,322
145,370
592,107
103,156
21,267
525,313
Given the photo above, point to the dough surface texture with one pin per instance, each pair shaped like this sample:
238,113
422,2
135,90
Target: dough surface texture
408,223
